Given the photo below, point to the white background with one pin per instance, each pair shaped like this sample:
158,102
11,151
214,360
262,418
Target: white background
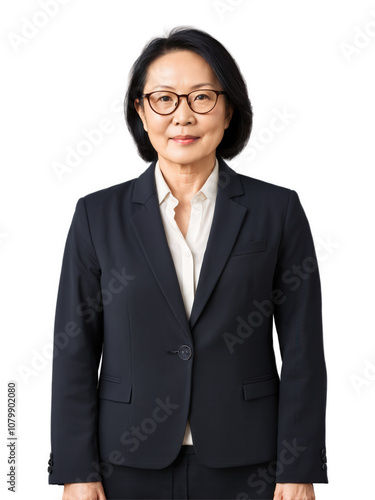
63,74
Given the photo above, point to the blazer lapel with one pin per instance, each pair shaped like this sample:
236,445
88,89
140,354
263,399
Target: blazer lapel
226,224
148,226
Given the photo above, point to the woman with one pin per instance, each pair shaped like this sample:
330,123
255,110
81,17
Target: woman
175,278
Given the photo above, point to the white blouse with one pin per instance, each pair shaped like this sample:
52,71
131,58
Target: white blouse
188,253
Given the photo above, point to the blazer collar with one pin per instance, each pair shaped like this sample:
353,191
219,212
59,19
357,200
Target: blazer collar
228,181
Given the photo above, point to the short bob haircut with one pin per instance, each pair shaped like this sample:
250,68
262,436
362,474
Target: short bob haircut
227,72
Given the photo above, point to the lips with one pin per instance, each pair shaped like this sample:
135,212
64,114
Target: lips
185,139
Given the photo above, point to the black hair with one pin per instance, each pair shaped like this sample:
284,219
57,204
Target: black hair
226,70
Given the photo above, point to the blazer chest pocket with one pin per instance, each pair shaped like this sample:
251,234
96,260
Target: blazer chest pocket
249,246
114,389
261,388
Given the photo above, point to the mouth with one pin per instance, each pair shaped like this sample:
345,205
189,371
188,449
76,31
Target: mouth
184,139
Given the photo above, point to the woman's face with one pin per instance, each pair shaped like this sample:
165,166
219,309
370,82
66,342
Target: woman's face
182,72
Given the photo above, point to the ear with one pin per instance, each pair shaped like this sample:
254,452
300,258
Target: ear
228,116
140,110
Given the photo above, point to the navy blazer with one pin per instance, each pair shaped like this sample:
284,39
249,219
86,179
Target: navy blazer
119,302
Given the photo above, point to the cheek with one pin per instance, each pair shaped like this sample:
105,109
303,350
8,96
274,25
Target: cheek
157,125
215,124
158,131
214,129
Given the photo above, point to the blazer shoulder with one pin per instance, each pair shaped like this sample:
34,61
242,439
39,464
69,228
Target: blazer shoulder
110,194
266,190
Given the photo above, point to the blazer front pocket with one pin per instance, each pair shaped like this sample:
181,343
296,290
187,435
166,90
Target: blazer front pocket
114,389
249,246
261,388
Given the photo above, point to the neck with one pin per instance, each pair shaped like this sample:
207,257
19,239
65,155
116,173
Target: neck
186,179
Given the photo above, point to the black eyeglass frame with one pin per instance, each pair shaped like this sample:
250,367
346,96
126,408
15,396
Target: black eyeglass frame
217,92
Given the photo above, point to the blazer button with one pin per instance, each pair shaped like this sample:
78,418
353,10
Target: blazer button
324,466
323,451
184,352
49,469
324,459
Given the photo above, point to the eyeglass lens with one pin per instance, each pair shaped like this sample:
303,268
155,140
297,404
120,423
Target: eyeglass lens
200,101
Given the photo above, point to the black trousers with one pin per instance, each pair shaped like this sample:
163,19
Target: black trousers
187,478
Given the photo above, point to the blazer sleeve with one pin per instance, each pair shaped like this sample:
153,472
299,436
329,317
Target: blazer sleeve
301,449
78,336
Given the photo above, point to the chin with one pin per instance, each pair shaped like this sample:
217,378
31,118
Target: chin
187,156
183,157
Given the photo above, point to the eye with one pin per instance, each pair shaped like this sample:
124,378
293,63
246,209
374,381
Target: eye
201,97
164,98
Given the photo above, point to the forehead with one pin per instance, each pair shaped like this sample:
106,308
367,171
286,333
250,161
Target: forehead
180,70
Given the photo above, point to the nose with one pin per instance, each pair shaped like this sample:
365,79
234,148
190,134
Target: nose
183,114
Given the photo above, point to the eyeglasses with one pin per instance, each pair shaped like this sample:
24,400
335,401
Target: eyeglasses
200,101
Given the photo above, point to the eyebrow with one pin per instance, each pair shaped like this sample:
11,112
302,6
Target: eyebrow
197,86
